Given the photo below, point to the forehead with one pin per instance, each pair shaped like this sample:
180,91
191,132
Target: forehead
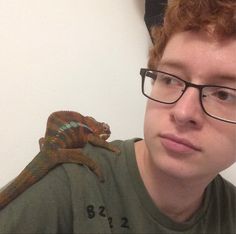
201,55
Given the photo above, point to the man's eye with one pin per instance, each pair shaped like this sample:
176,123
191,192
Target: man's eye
225,95
222,95
167,80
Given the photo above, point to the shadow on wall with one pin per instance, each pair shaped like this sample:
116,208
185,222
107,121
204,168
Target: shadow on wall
140,5
151,11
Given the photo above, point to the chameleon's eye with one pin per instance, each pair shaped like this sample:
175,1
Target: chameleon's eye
106,127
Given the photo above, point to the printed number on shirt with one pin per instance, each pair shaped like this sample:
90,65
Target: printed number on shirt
92,212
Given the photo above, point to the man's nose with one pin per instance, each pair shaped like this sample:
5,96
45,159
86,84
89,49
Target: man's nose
187,111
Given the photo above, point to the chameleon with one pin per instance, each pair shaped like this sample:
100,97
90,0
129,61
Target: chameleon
67,132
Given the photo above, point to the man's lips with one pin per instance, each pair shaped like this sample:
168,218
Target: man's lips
178,144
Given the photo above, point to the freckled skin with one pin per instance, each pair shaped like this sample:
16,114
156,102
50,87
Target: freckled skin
67,132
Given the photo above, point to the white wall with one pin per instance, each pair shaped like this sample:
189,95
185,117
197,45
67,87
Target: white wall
69,54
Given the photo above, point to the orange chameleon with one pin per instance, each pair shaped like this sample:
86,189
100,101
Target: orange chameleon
67,132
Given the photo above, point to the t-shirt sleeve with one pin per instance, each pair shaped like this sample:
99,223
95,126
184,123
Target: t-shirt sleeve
43,208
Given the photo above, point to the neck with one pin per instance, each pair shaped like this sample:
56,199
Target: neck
177,198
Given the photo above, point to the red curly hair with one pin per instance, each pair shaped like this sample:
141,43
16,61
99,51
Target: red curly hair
194,15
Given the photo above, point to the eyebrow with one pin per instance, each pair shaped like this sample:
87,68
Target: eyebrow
231,78
227,78
173,64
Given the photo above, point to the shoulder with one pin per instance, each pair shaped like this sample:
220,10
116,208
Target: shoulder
224,188
54,182
123,145
39,208
223,196
110,163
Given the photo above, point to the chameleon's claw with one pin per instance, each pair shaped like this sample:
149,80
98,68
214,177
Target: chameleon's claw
115,149
99,174
104,136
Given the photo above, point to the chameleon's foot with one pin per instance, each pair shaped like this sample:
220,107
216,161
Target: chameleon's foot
113,148
99,174
77,156
117,151
94,140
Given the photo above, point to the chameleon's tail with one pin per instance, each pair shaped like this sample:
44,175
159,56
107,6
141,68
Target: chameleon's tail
32,173
40,166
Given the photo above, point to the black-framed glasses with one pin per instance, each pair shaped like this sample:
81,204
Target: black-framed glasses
219,102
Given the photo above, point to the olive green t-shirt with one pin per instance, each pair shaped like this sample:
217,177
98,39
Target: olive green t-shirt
70,199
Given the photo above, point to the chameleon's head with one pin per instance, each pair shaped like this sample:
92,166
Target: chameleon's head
99,129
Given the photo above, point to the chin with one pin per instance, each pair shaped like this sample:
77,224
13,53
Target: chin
177,171
184,167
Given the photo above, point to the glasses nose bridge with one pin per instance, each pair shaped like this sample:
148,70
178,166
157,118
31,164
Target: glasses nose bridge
192,85
198,87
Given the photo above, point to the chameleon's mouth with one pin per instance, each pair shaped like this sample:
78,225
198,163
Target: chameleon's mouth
104,136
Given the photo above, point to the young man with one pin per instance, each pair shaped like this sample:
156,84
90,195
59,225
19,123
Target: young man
169,182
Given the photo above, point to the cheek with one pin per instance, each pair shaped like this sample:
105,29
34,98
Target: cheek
227,140
149,122
153,119
223,148
230,146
